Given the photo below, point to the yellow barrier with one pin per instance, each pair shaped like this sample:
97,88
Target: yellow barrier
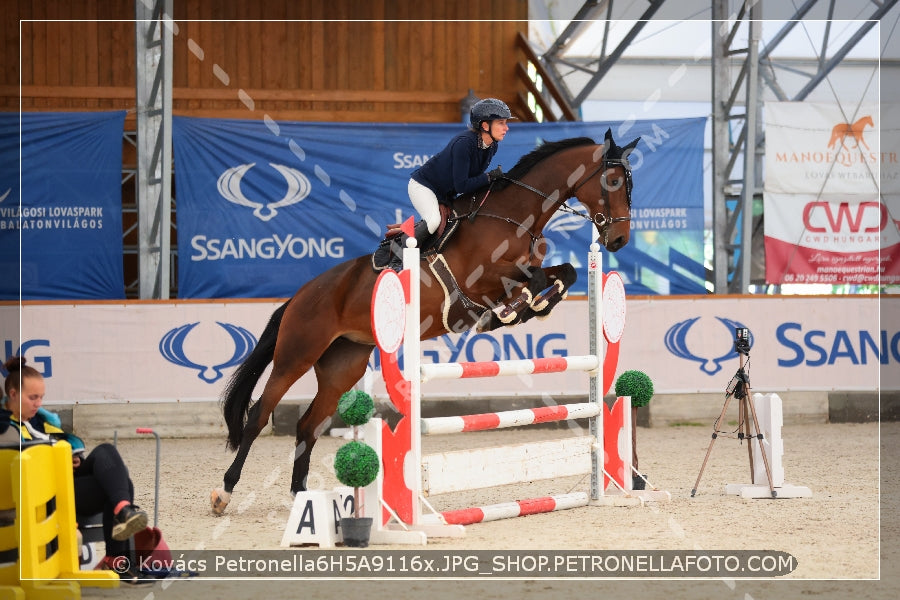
43,498
9,541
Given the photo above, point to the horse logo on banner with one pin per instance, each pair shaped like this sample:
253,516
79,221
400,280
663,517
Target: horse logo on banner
854,130
229,186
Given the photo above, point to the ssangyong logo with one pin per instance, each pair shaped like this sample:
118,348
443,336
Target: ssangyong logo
229,186
676,343
171,346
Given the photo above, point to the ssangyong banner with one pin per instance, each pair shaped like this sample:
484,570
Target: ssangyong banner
67,213
263,207
818,148
828,239
185,351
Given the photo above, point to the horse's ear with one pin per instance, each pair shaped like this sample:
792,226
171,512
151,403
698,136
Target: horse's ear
608,143
629,148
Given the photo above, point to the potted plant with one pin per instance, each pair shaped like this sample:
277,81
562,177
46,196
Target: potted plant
356,465
639,386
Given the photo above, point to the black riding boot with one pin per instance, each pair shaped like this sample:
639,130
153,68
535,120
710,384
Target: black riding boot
423,241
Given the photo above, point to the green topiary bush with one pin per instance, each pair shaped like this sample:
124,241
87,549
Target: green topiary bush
637,385
356,464
356,407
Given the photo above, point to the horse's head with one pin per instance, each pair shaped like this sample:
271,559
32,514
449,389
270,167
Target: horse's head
599,176
603,186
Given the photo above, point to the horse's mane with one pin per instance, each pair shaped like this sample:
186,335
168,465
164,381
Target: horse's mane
527,162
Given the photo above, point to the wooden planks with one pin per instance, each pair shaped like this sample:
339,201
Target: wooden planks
335,59
480,468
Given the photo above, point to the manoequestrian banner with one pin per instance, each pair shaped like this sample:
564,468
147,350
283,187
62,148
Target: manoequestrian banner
815,148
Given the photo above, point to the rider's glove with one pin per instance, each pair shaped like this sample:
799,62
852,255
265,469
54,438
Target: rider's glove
495,174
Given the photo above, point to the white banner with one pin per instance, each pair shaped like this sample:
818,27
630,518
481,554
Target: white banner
826,239
814,148
185,351
890,150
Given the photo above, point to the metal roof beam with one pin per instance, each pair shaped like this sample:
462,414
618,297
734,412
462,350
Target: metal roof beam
784,31
607,64
582,20
844,50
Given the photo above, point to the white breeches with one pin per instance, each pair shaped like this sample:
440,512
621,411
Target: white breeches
426,204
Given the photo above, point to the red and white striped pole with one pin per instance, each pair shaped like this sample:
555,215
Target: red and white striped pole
510,418
518,508
501,368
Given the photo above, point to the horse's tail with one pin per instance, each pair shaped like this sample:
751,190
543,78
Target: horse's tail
238,393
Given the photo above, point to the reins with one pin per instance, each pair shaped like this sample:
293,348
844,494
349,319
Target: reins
602,222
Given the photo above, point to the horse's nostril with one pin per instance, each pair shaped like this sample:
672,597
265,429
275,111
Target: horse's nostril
615,244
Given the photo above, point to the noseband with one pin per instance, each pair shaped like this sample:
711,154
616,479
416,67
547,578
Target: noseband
603,222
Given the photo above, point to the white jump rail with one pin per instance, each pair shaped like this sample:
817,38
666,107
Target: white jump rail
502,368
510,418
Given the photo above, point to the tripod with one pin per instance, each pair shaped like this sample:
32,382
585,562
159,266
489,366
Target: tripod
739,388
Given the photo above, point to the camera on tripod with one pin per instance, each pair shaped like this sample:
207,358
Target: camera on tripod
742,340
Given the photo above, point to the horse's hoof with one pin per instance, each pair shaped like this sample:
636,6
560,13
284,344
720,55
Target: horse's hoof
218,500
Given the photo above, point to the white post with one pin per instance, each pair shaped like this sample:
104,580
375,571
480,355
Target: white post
595,385
412,351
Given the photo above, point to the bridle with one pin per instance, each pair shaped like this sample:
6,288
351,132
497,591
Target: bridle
602,222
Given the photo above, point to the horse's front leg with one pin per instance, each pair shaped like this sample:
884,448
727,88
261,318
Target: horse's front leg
510,313
560,279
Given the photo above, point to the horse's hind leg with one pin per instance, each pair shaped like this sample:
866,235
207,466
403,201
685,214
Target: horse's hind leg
281,379
251,432
339,368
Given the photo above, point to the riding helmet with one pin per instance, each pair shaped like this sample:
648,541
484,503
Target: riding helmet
488,110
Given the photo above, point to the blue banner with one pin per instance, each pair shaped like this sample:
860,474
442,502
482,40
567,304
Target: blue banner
69,219
263,207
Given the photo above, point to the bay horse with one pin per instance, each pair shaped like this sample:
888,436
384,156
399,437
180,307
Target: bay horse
494,259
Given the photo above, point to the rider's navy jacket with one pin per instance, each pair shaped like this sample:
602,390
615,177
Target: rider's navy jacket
457,169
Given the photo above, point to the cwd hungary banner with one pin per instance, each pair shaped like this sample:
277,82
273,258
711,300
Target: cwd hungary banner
67,214
819,239
263,207
826,218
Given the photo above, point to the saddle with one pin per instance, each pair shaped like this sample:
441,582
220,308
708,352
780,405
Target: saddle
389,246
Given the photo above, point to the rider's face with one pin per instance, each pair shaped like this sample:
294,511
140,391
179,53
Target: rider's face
496,129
